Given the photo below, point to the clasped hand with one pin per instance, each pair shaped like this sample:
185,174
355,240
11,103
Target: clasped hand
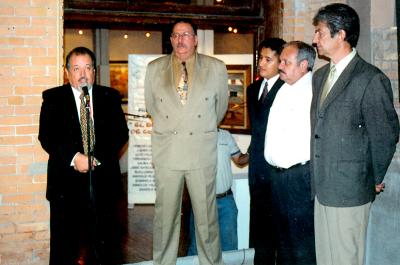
82,163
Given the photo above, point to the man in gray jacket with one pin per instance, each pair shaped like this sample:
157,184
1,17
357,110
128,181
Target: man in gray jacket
355,129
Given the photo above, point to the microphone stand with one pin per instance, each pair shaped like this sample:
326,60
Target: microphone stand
90,156
90,162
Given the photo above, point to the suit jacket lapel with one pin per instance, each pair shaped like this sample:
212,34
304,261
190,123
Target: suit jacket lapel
272,93
71,112
200,75
71,105
96,102
340,83
255,91
167,74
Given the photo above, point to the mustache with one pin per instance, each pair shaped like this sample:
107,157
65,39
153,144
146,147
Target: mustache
83,80
181,45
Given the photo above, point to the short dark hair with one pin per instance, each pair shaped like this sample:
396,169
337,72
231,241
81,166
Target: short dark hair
275,44
305,52
187,21
80,51
340,17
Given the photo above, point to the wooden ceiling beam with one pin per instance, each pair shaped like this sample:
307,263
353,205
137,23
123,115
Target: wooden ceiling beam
127,14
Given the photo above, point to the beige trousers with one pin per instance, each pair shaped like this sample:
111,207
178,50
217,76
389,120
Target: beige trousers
167,218
340,234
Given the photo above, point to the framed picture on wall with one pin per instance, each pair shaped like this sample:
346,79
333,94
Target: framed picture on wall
119,78
236,118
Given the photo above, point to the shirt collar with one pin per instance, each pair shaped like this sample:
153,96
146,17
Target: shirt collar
305,80
342,64
77,92
270,81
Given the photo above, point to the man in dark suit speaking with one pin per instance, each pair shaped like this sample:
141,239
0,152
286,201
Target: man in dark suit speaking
84,224
354,131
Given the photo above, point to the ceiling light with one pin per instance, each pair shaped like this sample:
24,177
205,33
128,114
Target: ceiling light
235,31
230,29
148,34
125,36
80,32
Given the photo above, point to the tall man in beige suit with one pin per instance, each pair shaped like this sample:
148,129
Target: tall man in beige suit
186,94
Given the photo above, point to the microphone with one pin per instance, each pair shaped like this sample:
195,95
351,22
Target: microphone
86,93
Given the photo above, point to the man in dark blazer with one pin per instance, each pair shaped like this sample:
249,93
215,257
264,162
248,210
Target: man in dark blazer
355,129
84,222
260,96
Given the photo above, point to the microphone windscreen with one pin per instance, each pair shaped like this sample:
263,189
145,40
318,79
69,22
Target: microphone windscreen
85,90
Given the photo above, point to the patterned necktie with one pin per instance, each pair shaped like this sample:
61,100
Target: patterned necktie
328,84
182,88
84,128
264,93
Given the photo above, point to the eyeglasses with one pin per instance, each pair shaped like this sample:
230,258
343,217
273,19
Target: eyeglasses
184,35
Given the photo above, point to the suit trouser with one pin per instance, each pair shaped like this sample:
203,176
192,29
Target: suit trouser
167,218
340,234
262,233
293,214
76,235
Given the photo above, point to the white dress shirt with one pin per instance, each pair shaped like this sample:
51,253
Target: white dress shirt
287,139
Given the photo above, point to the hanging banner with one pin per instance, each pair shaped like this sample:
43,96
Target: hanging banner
141,186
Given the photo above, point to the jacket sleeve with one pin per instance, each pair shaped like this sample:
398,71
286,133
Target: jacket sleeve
51,132
222,92
148,98
381,123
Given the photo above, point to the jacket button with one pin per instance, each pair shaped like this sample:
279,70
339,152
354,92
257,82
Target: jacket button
166,116
316,136
190,133
199,116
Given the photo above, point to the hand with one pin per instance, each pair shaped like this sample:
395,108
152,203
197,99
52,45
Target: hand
380,187
81,163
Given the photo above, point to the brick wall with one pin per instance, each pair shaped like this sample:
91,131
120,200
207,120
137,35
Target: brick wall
30,56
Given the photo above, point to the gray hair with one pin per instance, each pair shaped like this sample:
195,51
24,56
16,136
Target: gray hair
305,52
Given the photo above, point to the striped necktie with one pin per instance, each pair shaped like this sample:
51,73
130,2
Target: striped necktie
182,88
84,125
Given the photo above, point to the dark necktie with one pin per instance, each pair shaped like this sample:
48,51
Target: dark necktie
84,129
182,88
264,92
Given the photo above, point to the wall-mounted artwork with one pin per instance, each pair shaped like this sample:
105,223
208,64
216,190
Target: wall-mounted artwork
236,118
119,78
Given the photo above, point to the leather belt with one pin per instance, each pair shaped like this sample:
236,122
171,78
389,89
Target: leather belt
224,194
280,169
